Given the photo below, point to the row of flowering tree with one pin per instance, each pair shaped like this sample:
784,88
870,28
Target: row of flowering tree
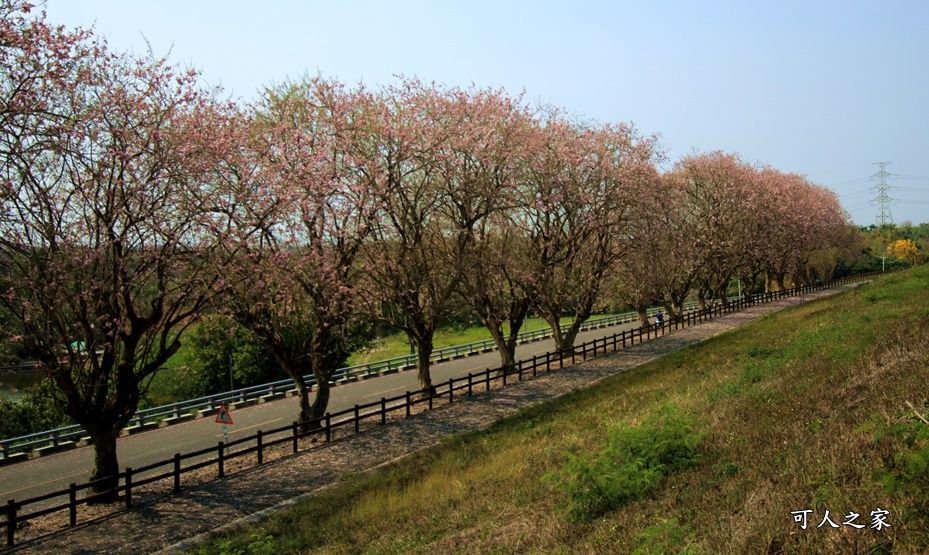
718,218
133,202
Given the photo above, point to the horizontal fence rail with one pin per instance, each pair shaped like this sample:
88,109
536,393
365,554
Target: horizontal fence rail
321,429
69,436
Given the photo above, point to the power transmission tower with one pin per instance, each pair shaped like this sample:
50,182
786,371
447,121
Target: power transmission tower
883,200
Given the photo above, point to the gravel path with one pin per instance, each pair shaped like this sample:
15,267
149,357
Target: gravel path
170,522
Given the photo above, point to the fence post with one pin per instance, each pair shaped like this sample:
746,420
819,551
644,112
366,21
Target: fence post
296,435
328,428
407,404
260,453
470,383
356,418
10,523
430,397
219,460
503,371
451,390
72,503
128,487
383,410
487,378
177,472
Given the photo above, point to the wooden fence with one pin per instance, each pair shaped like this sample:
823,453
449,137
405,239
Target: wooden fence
173,469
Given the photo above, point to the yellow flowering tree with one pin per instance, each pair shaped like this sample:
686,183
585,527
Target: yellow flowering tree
904,249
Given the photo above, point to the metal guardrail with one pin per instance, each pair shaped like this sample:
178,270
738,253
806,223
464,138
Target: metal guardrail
173,469
330,421
65,436
69,436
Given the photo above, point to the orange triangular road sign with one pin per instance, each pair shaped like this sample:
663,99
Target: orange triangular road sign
222,417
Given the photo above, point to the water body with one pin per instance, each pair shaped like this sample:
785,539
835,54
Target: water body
13,386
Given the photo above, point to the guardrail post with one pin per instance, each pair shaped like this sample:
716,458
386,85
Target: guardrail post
177,472
72,504
10,523
383,410
128,487
260,447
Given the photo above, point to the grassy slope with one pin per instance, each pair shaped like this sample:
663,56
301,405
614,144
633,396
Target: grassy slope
782,400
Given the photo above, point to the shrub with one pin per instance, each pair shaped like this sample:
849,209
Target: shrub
634,462
907,470
39,410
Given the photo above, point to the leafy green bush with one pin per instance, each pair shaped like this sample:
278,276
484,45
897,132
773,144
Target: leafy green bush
634,461
907,470
220,355
39,410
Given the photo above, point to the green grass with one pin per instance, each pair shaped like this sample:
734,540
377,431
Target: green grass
397,345
168,381
786,409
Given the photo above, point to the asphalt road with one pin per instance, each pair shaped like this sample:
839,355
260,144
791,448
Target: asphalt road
55,472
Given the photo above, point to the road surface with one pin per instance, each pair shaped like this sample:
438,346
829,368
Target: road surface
56,472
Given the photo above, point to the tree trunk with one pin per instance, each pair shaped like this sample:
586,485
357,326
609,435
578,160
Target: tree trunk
423,352
774,283
674,309
564,339
321,401
569,337
505,345
721,293
643,316
303,393
106,465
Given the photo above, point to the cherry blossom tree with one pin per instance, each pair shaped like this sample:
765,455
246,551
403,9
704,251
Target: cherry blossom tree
298,213
583,189
412,264
478,171
717,194
104,236
801,219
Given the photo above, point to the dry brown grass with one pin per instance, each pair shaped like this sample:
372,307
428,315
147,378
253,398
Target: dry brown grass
788,405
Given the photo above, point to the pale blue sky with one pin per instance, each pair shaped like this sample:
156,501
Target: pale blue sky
822,88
